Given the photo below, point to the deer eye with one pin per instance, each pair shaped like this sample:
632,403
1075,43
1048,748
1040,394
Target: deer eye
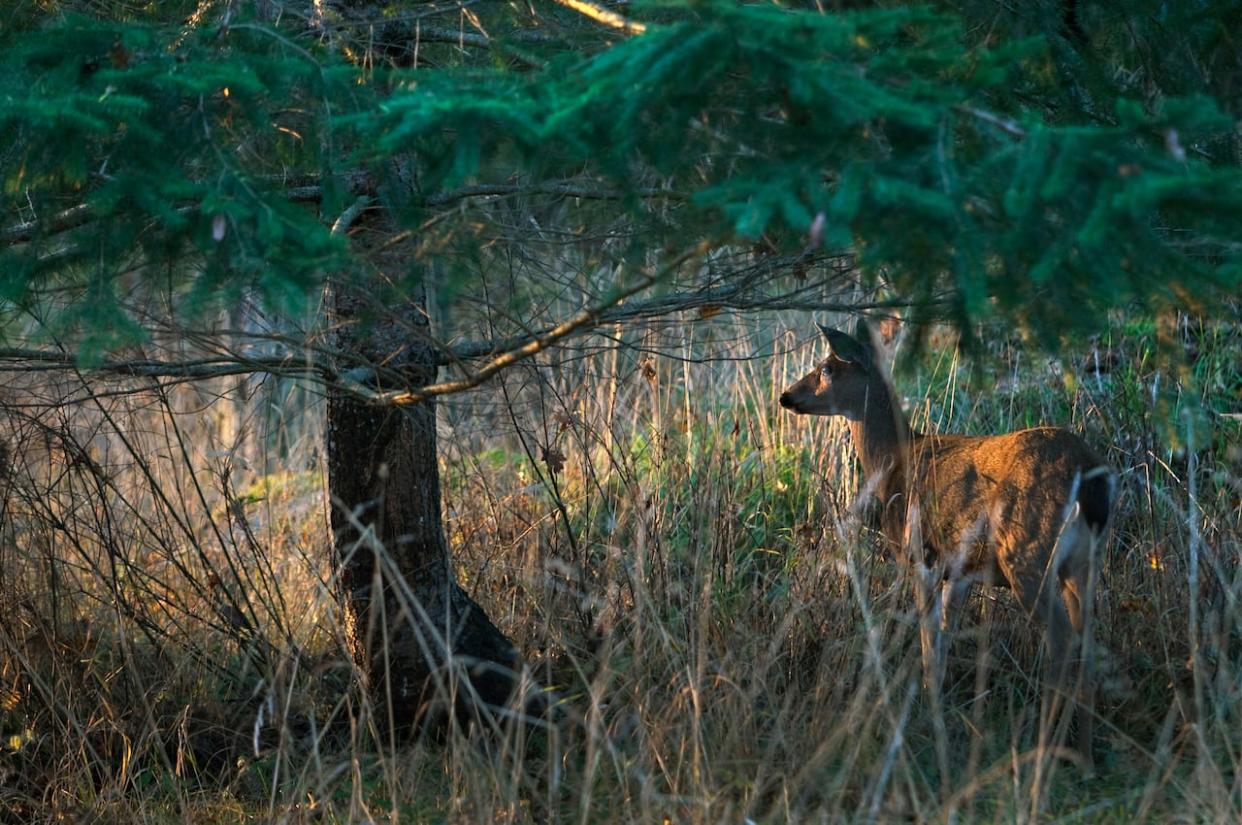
826,369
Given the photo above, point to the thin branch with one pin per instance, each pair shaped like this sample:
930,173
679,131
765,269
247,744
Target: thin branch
1002,123
26,231
347,218
461,39
586,319
34,360
564,189
600,15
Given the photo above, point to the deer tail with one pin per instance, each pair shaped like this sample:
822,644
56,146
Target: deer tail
1097,494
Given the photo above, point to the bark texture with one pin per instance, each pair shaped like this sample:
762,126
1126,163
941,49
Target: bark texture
416,632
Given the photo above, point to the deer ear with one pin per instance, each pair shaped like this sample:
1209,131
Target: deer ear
845,347
862,334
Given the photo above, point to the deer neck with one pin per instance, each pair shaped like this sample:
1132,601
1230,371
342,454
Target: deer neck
881,435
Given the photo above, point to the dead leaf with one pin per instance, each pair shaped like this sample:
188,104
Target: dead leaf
647,365
709,311
555,460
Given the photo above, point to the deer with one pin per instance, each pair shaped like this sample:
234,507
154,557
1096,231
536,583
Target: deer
1030,509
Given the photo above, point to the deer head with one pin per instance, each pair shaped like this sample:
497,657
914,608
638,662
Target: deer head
841,384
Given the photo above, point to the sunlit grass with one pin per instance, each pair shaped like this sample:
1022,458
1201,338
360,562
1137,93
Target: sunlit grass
676,558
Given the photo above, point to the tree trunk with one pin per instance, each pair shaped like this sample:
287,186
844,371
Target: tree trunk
416,633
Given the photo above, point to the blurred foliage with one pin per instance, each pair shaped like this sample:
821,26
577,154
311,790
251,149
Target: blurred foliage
1038,164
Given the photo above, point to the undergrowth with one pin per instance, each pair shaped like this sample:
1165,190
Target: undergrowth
680,564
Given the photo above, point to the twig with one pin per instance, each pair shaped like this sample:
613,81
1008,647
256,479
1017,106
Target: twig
24,232
587,318
33,360
565,189
1002,123
608,18
347,218
440,34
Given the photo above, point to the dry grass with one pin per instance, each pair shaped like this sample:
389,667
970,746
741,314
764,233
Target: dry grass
692,582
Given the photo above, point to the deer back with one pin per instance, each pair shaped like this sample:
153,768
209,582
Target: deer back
1000,498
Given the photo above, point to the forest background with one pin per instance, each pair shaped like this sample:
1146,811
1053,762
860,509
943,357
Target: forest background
389,426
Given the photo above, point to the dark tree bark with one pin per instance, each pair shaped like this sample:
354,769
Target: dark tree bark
415,630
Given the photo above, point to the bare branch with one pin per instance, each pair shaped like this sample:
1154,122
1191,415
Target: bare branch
565,189
1002,123
461,38
587,318
34,360
24,232
601,15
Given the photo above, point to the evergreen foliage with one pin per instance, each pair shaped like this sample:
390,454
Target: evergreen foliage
177,148
1017,171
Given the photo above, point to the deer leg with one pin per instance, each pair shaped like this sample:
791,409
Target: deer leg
1039,597
927,603
932,609
1077,592
929,606
953,595
1059,636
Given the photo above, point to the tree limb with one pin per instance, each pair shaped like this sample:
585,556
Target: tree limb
565,189
34,360
67,219
587,318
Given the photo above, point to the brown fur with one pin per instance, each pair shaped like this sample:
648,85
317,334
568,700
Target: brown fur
1025,509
